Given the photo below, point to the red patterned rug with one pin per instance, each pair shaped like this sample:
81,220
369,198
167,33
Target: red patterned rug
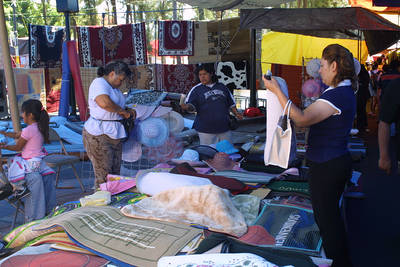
100,45
176,78
175,38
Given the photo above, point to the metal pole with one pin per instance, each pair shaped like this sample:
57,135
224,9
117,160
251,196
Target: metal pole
253,89
12,95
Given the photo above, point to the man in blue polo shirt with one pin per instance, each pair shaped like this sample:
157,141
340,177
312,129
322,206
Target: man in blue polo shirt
212,102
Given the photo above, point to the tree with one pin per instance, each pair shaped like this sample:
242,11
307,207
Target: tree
318,3
30,12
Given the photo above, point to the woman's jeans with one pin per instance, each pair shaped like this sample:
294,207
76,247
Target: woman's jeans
42,198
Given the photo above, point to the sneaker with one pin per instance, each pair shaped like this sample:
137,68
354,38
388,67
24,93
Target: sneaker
6,191
19,194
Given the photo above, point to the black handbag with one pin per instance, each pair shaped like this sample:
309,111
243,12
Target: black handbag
233,122
128,124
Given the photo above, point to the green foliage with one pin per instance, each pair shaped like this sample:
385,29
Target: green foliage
30,12
317,3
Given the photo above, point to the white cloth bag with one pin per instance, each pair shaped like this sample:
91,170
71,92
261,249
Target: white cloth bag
279,152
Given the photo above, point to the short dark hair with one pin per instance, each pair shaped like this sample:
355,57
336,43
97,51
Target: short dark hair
208,67
119,67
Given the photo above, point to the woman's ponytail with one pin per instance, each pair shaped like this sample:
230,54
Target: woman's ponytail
43,124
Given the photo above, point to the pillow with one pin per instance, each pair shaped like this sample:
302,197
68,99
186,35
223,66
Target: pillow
153,183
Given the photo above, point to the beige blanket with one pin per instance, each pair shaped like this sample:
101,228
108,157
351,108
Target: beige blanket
206,205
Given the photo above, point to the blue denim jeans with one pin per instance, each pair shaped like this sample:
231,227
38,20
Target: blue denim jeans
42,198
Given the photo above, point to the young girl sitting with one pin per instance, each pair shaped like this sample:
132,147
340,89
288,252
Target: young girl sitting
30,143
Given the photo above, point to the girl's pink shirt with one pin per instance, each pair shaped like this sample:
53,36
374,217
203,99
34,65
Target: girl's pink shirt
35,140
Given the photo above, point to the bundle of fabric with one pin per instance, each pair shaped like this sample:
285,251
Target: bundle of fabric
55,258
120,239
207,205
25,233
288,199
233,185
45,46
280,257
175,38
100,45
246,176
285,186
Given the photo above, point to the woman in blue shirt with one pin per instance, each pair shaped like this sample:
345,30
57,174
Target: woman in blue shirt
212,101
330,119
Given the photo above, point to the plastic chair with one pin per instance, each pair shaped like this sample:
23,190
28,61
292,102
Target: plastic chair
56,161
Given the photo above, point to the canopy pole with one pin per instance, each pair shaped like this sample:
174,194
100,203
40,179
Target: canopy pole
253,89
12,95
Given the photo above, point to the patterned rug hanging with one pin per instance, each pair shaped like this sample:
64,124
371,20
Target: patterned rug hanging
100,45
45,46
175,38
176,78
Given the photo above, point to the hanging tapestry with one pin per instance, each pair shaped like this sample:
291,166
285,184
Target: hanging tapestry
100,45
176,78
143,77
175,38
29,84
45,46
232,74
53,88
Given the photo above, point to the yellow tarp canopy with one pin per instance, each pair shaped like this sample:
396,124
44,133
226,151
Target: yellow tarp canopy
288,48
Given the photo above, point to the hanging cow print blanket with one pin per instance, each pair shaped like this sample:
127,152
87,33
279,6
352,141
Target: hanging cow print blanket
175,38
100,45
45,46
232,74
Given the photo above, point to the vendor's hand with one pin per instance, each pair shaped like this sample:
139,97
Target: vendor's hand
239,116
271,85
385,164
3,133
187,107
124,114
132,112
